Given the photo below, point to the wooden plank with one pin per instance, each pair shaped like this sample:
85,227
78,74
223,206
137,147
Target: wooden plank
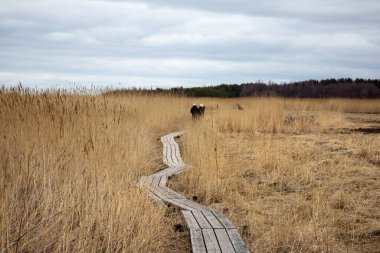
179,171
172,154
179,204
193,205
214,222
210,240
158,200
152,186
166,172
178,133
162,193
237,242
175,195
224,241
225,222
155,197
164,145
169,159
164,149
202,221
167,152
179,159
159,194
155,182
163,180
197,242
177,152
190,220
168,194
151,193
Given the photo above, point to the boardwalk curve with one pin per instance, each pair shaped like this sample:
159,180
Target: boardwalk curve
210,230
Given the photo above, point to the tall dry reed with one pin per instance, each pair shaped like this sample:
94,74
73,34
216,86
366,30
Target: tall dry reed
71,162
69,171
286,177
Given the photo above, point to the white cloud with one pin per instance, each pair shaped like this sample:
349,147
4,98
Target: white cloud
188,42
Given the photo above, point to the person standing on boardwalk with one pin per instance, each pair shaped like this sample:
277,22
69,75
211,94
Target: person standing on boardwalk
194,111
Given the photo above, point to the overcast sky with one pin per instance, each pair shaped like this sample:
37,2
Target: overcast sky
166,43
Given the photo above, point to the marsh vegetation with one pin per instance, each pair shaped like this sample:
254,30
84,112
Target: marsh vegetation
293,175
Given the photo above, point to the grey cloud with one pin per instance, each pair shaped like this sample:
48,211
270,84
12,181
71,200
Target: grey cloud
187,42
323,10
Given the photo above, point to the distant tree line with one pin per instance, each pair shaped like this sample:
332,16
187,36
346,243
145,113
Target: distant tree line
327,88
223,90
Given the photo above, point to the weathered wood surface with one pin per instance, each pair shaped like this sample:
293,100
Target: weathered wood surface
210,230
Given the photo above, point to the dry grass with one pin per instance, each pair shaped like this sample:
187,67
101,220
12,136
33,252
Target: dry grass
289,173
69,172
309,185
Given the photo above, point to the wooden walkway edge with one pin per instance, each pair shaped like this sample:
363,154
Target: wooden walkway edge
210,230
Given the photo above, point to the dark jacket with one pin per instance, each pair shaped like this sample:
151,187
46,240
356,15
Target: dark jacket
194,109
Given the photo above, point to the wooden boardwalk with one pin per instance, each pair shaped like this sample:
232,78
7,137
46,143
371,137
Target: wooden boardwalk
210,230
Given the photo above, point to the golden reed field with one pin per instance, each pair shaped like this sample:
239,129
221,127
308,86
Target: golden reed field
294,175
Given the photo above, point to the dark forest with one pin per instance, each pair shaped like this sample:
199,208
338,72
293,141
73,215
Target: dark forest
327,88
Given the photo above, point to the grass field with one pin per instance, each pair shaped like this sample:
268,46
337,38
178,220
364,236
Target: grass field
293,175
308,184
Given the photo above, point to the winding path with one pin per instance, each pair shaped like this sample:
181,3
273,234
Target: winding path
210,230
